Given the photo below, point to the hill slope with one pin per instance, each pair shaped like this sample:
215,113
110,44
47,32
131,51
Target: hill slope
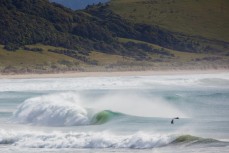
85,38
207,18
26,22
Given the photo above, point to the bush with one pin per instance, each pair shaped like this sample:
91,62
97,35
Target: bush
11,47
65,62
39,50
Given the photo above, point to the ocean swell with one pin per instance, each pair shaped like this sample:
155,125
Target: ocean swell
189,139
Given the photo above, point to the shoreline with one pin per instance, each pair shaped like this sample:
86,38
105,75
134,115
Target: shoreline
74,74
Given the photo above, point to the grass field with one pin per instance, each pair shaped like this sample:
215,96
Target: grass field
24,61
28,60
207,18
32,58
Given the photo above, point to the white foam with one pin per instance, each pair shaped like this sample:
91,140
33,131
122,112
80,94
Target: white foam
61,109
127,82
83,140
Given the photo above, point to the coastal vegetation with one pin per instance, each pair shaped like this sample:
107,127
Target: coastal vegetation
40,37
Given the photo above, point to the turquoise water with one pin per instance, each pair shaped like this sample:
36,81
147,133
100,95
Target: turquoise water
115,114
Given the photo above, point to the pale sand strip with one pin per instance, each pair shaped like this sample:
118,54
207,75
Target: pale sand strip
111,74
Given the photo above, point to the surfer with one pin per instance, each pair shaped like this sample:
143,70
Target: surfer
172,121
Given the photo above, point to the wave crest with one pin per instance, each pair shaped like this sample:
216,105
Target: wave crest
52,110
63,109
99,140
104,116
83,140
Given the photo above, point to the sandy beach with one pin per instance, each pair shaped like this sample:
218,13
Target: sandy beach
112,74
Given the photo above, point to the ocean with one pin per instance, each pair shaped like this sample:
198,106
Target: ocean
115,114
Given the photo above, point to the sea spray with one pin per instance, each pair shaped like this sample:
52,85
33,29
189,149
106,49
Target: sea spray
70,109
52,110
60,109
137,104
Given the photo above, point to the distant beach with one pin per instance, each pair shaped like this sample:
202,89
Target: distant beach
111,74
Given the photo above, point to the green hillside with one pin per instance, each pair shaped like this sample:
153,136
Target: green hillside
49,61
24,22
207,18
43,37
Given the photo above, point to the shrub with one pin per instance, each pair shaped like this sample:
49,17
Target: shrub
11,47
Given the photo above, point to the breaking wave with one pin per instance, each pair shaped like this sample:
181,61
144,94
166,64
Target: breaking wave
69,109
59,110
104,116
83,140
138,140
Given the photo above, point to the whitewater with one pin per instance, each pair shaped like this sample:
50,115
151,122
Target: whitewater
115,114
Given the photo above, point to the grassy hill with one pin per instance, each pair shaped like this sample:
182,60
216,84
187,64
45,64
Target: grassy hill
48,61
24,22
43,37
25,61
207,18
